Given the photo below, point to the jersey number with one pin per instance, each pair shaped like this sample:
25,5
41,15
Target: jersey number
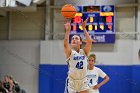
90,81
79,65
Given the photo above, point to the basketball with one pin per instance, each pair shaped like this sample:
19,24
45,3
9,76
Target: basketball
68,11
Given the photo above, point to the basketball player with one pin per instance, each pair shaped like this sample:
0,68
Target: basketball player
93,74
77,59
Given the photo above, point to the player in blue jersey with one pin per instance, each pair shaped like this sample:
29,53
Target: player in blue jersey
77,59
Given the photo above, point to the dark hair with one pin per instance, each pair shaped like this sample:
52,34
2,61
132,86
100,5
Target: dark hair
79,36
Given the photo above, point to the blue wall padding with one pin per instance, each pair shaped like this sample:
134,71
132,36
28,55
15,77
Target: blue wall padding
123,79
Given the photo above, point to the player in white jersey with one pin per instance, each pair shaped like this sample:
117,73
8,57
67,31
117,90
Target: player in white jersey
93,74
77,59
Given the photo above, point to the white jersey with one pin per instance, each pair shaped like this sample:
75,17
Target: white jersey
93,76
77,65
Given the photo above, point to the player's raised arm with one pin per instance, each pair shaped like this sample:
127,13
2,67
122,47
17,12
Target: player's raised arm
67,48
88,45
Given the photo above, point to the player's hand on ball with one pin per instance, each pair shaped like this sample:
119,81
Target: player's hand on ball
67,24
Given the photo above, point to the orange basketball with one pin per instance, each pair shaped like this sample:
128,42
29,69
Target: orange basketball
68,11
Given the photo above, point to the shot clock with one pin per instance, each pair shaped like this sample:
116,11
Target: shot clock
100,23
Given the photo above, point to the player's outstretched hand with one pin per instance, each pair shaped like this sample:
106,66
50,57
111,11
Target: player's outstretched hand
67,24
84,23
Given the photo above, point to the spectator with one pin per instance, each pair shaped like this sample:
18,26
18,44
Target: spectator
9,85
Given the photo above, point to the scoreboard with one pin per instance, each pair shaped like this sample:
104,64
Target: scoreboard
100,23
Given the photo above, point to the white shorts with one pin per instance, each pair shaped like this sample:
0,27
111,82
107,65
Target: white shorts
93,91
75,86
